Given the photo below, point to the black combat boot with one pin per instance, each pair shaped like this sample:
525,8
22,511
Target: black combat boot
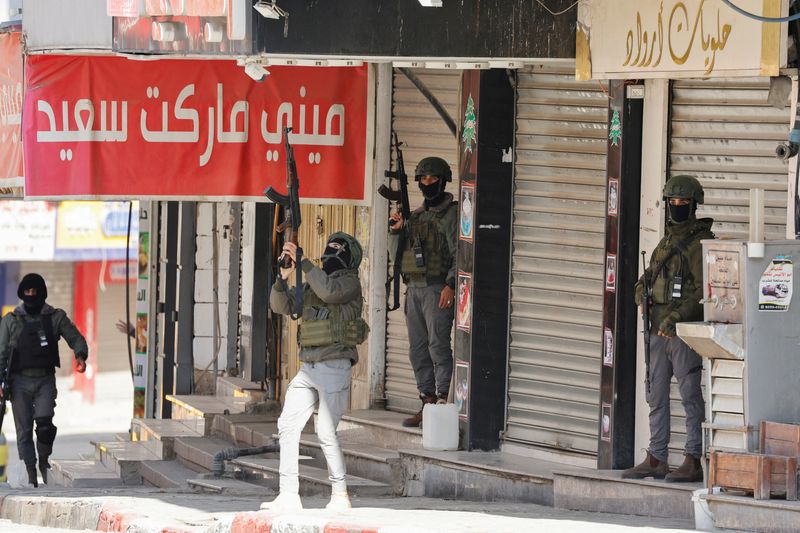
32,475
44,466
690,471
650,467
416,420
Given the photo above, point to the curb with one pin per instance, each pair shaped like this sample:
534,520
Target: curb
264,522
116,517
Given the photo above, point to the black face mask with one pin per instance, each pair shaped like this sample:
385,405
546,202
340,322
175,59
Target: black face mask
432,192
33,304
333,259
680,213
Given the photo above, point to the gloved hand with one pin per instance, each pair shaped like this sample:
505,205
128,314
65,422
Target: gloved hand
638,292
667,327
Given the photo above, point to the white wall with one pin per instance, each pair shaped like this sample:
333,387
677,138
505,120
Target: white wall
203,287
66,24
10,10
655,139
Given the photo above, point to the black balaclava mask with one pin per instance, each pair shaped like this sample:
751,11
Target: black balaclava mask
33,304
336,258
434,192
681,213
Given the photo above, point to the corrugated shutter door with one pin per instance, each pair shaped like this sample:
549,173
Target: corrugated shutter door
557,260
724,132
424,134
112,346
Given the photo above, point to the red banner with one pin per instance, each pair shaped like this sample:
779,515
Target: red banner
10,110
109,127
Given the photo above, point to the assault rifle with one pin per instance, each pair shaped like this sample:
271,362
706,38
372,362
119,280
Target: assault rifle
647,294
4,386
400,197
290,226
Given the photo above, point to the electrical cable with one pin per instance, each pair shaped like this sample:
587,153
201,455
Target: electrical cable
741,11
553,12
128,287
797,199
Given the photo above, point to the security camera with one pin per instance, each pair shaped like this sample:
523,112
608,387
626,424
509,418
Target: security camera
256,72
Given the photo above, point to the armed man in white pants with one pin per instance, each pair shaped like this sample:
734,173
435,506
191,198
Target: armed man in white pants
330,329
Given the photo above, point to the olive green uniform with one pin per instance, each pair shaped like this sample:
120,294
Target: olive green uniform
669,355
434,228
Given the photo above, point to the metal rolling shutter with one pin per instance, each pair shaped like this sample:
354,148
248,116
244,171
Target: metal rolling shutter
724,132
424,134
557,260
112,346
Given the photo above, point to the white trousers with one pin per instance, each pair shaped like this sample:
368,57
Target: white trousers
326,387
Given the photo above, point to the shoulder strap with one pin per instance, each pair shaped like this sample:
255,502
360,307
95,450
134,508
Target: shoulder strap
680,247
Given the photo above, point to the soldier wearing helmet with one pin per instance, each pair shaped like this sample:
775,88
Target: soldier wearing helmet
330,329
675,277
429,271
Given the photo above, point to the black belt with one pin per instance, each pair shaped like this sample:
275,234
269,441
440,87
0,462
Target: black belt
35,372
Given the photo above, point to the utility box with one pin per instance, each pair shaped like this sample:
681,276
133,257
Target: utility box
750,340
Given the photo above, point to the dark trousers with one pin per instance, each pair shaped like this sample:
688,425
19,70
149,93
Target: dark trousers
34,398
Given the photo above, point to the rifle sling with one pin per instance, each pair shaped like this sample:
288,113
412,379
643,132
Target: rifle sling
682,246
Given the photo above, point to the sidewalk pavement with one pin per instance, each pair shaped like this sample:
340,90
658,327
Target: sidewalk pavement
145,510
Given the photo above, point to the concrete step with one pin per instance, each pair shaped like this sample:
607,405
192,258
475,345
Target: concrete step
224,485
744,513
82,474
313,481
245,429
124,458
385,427
240,388
605,491
362,460
157,435
202,407
198,452
166,474
478,476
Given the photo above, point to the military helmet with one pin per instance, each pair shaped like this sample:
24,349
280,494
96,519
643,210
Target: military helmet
684,186
433,166
355,247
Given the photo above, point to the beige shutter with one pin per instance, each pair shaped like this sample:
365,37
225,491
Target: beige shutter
724,132
423,134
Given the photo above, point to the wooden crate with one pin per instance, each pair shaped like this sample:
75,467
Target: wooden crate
761,474
779,439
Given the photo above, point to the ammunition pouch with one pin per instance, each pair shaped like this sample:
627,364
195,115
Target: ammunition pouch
327,332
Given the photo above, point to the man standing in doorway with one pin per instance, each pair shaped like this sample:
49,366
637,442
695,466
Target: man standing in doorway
28,360
429,271
675,278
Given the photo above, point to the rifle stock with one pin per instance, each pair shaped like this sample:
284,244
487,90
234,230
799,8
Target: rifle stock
401,198
646,296
290,226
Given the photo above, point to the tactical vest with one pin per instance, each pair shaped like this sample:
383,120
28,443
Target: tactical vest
431,235
322,323
37,345
662,284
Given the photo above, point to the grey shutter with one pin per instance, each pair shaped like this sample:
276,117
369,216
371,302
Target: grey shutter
557,260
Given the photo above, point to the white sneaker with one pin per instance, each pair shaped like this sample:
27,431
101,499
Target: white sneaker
284,502
340,501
